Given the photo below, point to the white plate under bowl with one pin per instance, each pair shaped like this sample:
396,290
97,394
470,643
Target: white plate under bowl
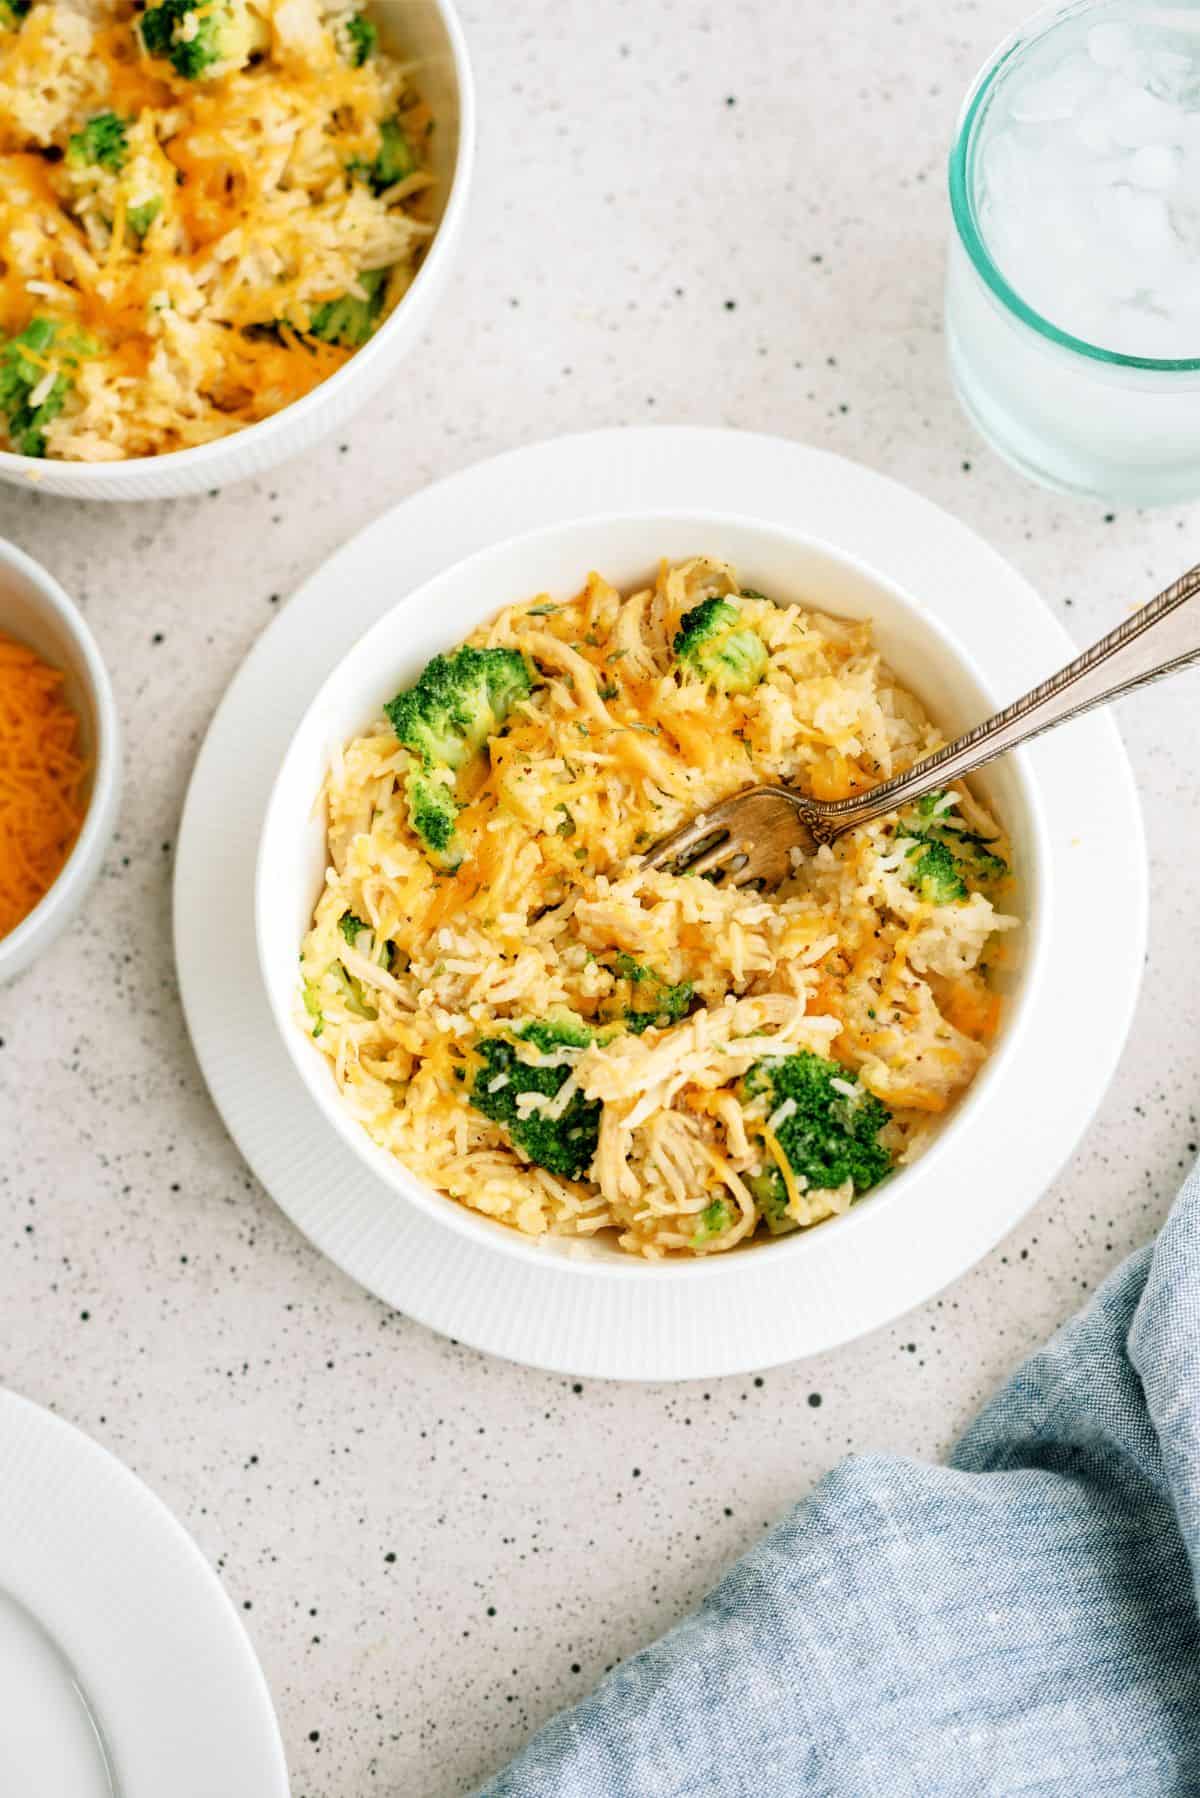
293,856
771,1307
124,1669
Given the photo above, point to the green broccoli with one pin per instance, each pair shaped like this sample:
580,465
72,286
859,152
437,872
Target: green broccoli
353,992
713,643
444,720
102,142
714,1220
563,1031
362,37
351,320
387,953
932,870
565,1145
979,860
312,1005
770,1195
140,218
643,998
12,12
23,371
197,39
458,703
946,858
433,814
395,160
351,926
975,856
829,1135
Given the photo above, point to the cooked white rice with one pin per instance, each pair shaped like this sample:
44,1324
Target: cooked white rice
616,746
183,283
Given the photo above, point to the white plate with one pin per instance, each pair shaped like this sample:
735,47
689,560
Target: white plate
124,1669
774,1308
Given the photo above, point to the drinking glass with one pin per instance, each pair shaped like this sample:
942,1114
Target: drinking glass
1073,286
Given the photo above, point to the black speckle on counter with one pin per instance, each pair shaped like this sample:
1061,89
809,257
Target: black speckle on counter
814,1399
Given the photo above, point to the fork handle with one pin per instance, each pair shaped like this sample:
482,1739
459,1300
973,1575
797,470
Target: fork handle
1160,639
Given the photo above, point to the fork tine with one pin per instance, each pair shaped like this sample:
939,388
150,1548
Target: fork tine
691,836
747,874
718,857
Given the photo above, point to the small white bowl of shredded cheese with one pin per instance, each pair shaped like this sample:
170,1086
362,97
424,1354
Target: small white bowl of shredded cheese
222,228
45,637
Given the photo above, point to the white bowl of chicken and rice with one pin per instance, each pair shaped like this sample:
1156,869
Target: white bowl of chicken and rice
301,906
114,454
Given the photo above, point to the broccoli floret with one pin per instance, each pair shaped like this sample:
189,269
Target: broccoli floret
353,992
459,702
932,871
23,371
387,954
828,1135
12,12
770,1195
351,320
312,1005
564,1031
362,37
565,1145
197,39
395,160
140,218
945,859
433,814
101,142
350,927
975,856
713,643
714,1220
975,860
643,998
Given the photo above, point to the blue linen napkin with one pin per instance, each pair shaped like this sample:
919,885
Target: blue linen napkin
1023,1620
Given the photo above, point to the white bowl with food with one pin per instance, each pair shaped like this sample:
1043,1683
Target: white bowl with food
223,227
60,760
645,1075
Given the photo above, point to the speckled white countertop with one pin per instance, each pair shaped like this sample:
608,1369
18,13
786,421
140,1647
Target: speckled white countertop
685,213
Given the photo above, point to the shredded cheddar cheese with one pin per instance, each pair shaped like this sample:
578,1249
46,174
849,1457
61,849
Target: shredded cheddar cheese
41,780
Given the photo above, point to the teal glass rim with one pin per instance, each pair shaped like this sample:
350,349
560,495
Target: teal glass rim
962,202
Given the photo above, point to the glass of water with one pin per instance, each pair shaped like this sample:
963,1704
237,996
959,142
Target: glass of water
1073,288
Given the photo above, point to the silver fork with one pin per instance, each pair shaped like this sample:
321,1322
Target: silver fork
751,837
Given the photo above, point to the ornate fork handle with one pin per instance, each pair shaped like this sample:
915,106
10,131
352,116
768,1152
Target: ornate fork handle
1161,638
